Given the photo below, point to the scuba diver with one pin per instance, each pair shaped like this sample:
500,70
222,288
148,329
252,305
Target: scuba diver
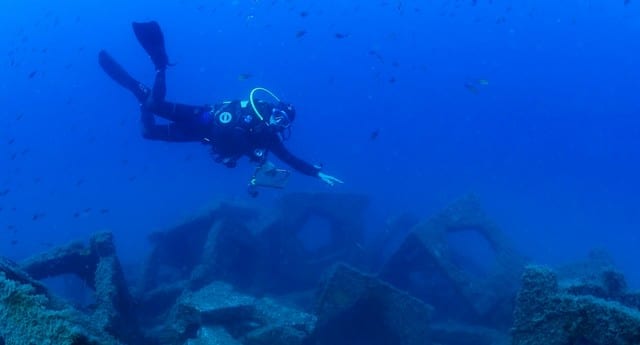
232,129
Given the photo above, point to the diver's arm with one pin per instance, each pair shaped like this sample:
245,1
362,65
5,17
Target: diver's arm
283,154
328,179
298,164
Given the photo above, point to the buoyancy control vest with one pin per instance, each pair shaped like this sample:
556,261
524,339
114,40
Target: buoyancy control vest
234,122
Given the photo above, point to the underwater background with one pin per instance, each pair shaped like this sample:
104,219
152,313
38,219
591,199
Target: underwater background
531,105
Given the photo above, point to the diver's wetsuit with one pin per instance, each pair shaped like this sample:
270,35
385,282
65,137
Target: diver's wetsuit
232,128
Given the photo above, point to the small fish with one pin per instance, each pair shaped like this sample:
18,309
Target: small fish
303,14
301,33
374,134
471,88
245,76
340,35
376,55
483,82
104,210
32,74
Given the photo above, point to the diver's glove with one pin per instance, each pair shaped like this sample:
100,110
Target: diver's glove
328,179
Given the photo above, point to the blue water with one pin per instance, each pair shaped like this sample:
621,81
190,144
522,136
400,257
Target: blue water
531,105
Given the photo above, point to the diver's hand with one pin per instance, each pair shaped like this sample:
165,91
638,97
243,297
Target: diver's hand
328,179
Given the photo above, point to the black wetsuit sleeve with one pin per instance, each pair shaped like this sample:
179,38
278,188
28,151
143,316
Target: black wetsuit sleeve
278,148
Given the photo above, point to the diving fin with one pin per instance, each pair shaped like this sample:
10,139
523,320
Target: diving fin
120,76
151,38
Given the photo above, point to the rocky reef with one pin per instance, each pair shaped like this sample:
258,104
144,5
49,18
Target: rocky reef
241,274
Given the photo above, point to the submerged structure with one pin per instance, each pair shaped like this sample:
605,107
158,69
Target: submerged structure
428,266
243,275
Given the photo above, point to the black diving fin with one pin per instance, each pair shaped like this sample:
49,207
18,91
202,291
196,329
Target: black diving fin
151,38
120,76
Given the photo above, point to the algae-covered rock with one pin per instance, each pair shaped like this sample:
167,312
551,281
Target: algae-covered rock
99,267
28,317
219,311
355,308
213,336
547,314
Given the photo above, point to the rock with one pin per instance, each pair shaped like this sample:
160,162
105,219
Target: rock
213,336
247,319
354,308
12,271
99,267
460,334
550,315
28,317
194,253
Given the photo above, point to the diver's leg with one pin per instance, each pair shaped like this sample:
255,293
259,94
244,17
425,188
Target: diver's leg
120,76
178,112
175,112
159,90
151,39
173,131
186,120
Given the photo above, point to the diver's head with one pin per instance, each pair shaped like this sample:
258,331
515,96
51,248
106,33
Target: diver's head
282,115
